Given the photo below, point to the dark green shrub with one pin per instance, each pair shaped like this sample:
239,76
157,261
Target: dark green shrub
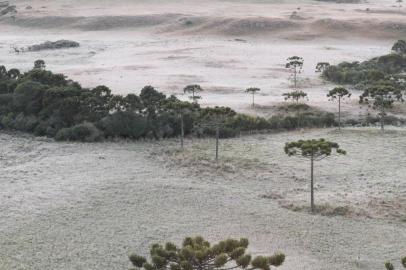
7,120
6,103
27,97
124,124
25,123
86,132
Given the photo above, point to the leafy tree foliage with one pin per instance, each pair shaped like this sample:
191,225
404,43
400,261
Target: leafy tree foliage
338,93
399,47
39,64
295,64
193,89
322,66
295,96
314,150
197,254
181,108
252,91
381,96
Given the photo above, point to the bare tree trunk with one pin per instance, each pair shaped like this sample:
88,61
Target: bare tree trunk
295,75
217,141
339,113
182,131
253,104
382,117
311,184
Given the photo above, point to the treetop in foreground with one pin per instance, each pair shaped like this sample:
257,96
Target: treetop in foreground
198,254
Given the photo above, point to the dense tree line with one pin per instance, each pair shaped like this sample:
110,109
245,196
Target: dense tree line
48,104
361,74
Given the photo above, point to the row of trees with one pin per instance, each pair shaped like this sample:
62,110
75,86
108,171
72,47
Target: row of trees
48,104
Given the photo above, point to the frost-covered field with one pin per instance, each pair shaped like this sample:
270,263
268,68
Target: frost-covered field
87,206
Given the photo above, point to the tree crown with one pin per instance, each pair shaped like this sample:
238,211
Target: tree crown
295,95
321,66
317,149
193,88
252,90
382,94
294,62
338,92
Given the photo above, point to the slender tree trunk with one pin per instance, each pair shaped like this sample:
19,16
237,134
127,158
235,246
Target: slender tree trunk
382,117
182,131
311,183
217,141
295,75
253,104
339,113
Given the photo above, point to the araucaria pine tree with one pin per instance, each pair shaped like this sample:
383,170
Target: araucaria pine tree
295,64
252,91
314,150
180,108
193,89
198,254
295,96
338,93
381,96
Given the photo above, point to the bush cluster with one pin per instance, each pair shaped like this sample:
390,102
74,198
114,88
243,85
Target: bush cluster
48,104
367,72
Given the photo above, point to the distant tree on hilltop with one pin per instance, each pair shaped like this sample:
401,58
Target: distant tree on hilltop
193,89
39,64
295,64
253,91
